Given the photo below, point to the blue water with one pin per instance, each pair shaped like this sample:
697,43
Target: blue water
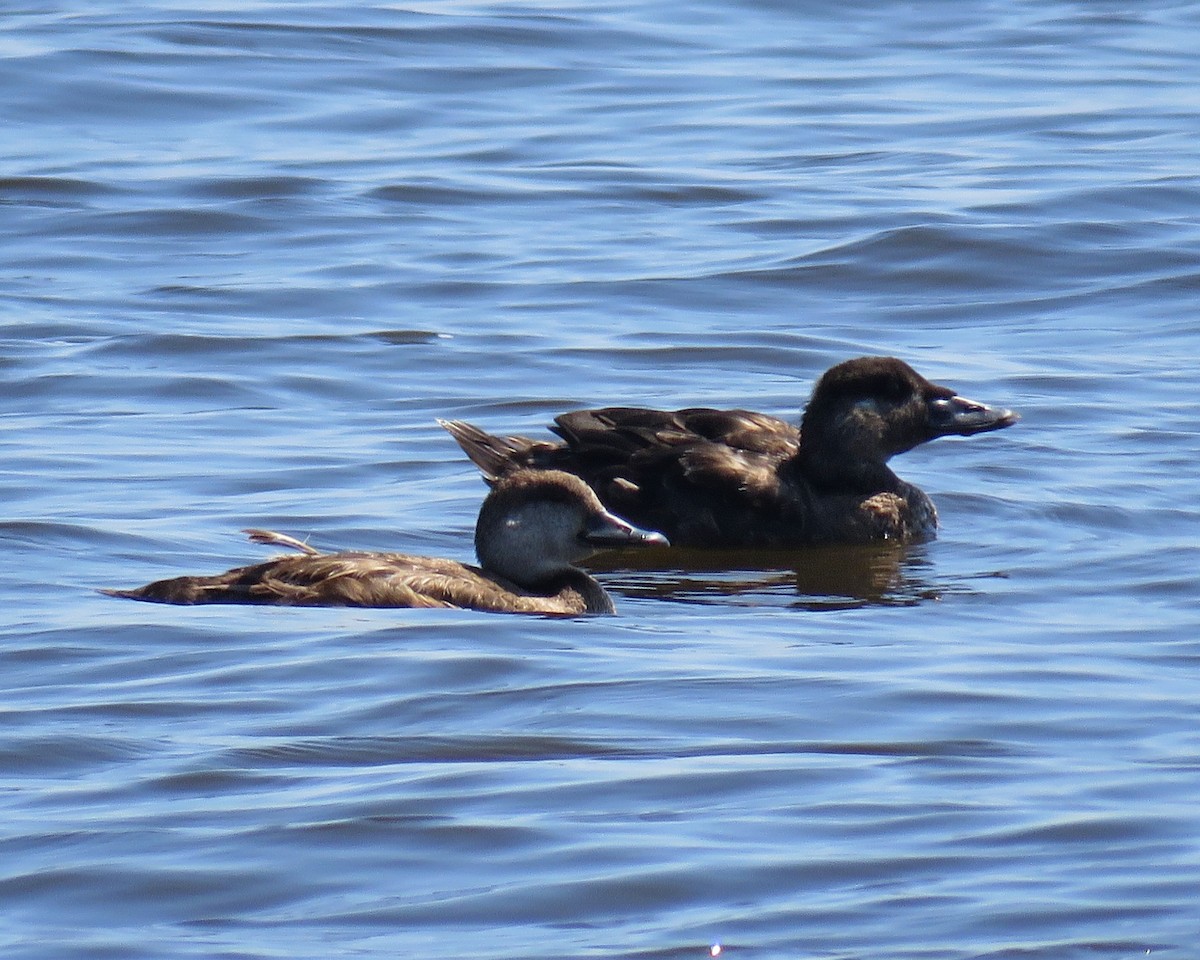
250,252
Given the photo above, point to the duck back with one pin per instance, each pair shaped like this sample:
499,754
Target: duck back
353,579
708,477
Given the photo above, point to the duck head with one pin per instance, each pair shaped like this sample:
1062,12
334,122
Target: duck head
865,411
537,524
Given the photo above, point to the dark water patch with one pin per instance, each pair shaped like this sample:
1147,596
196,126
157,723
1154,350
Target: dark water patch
441,835
372,752
717,359
940,256
208,390
383,32
46,533
215,783
687,195
180,224
951,261
149,709
244,307
255,188
145,893
404,337
1104,832
52,191
502,750
1119,211
186,293
49,755
430,194
180,632
202,346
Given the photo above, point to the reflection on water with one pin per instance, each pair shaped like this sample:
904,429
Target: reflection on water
814,578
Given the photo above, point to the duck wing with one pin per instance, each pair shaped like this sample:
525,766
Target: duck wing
702,476
629,430
336,579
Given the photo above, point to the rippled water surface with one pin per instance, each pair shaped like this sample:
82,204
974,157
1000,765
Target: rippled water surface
250,252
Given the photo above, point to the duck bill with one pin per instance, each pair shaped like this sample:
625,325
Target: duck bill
958,416
606,530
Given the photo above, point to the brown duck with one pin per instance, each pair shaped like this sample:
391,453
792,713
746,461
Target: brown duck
532,528
734,478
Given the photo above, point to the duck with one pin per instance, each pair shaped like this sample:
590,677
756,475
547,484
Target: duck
533,527
736,478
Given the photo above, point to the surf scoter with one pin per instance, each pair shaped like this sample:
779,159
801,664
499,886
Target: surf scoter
533,527
734,478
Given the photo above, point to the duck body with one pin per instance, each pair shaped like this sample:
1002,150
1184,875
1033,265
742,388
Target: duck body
533,527
361,579
735,478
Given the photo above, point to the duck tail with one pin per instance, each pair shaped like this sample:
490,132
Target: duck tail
494,456
182,590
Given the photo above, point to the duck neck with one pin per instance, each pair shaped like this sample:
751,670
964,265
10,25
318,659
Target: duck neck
841,472
560,584
595,599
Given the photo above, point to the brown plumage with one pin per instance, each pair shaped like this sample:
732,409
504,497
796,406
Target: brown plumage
532,528
734,478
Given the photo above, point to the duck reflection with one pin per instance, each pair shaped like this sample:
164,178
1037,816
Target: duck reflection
816,578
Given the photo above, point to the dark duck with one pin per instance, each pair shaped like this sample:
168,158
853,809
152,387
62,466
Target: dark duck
533,527
734,478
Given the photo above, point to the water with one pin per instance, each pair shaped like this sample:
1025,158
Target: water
250,252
